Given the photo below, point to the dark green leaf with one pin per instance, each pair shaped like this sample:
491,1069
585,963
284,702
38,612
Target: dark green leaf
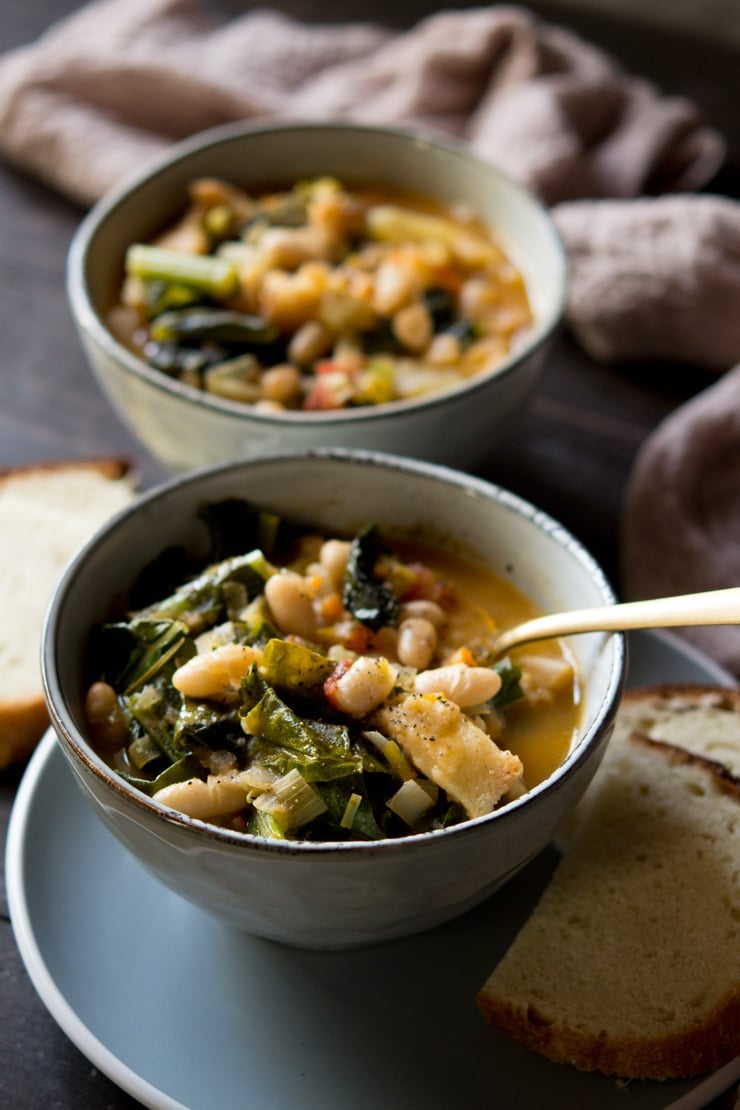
201,601
368,598
511,691
184,769
218,325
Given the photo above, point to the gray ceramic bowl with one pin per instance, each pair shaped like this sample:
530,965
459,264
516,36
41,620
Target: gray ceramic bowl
335,895
182,426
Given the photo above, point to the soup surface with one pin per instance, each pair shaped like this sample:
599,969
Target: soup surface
315,687
321,296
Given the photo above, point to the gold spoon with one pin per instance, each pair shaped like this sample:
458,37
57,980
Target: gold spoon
712,607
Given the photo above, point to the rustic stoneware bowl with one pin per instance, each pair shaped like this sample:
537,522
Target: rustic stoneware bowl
335,895
184,427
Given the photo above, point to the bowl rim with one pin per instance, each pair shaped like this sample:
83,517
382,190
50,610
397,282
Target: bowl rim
92,325
78,749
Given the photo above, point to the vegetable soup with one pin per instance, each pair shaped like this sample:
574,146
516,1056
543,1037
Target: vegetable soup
317,687
321,297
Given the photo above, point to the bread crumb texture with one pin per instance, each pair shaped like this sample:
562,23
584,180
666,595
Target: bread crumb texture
46,514
630,963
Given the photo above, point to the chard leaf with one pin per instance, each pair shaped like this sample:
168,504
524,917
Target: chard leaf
134,653
510,691
156,709
201,723
295,668
284,741
185,768
336,794
202,602
368,598
265,824
235,526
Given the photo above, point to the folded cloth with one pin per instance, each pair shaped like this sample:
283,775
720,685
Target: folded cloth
655,278
108,87
681,522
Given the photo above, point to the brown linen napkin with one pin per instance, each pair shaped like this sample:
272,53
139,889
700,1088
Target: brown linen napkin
681,523
655,278
108,87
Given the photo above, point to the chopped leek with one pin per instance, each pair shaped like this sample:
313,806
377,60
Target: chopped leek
410,802
350,811
292,801
209,274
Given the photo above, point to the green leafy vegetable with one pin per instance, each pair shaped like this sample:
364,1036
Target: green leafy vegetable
283,740
368,598
511,691
216,325
295,668
201,602
337,795
183,769
133,653
236,526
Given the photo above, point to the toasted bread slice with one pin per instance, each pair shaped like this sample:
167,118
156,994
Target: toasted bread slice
47,511
630,963
702,719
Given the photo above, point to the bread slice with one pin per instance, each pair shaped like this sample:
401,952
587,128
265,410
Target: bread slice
630,962
47,511
702,719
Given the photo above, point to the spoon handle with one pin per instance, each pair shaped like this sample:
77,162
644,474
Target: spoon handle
712,607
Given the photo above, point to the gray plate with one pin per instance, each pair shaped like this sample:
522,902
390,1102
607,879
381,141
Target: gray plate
182,1011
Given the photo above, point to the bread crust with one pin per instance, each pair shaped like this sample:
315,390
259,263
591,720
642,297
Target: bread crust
24,721
693,694
112,467
708,1041
22,724
689,1053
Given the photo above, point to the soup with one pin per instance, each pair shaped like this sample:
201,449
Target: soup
317,687
321,297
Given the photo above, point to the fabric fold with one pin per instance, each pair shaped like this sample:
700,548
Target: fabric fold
114,83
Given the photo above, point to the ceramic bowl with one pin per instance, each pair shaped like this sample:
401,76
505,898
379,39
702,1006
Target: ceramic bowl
184,427
335,895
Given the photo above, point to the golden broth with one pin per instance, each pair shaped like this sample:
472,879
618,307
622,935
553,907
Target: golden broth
540,735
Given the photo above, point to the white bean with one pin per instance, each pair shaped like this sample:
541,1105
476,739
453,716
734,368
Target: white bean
417,641
422,607
218,796
367,683
460,683
412,326
215,674
291,604
334,555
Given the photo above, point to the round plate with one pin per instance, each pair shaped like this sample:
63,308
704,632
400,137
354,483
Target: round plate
182,1011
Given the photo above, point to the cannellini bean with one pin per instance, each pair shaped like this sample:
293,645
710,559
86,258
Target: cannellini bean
412,326
281,383
367,683
218,796
215,674
334,555
287,248
444,350
460,683
310,341
427,610
394,287
105,716
417,641
291,604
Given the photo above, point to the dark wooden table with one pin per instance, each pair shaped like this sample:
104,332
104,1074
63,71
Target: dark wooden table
571,452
